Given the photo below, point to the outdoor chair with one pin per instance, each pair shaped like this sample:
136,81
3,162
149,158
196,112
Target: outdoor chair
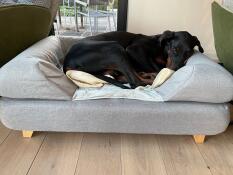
90,9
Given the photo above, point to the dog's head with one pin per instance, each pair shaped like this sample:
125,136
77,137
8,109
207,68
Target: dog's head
178,47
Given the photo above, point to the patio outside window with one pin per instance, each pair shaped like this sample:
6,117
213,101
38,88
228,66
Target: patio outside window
86,17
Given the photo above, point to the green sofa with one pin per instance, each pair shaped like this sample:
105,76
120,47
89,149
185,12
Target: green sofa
223,34
21,26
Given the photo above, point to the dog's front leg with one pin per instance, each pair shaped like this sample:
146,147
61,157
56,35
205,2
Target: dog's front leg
131,76
147,78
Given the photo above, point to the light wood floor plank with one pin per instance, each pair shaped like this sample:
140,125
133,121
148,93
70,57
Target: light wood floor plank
231,112
17,153
218,153
229,134
114,154
58,155
181,156
100,155
141,155
4,132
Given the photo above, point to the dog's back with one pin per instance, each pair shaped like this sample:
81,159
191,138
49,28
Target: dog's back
97,53
123,38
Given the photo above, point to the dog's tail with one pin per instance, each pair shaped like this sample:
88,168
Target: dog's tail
112,81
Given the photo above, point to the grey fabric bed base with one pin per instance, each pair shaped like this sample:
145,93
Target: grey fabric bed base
115,116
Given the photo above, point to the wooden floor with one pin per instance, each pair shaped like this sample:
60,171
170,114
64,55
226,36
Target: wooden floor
114,154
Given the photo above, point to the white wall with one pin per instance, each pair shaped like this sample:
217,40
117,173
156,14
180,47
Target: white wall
155,16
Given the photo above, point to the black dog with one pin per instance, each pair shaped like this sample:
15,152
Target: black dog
131,58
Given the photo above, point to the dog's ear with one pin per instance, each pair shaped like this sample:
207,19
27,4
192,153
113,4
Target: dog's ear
196,42
165,37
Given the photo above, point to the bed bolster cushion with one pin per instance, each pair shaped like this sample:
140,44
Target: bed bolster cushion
201,80
36,73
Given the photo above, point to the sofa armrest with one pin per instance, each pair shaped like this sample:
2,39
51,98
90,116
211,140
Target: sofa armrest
200,80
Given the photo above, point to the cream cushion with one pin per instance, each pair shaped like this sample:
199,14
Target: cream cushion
162,76
83,79
86,80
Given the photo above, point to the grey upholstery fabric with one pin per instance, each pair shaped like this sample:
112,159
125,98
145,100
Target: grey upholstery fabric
57,77
42,3
67,42
201,80
27,75
28,2
7,2
115,116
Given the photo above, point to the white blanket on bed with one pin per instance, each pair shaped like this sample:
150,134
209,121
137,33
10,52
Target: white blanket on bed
147,93
91,87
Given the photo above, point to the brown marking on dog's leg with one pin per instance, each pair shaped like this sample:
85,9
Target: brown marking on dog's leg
147,78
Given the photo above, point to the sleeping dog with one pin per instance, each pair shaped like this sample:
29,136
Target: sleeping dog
131,58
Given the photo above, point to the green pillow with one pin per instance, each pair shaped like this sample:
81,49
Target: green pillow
223,34
21,26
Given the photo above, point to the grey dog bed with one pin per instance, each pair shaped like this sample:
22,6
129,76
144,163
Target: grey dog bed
37,96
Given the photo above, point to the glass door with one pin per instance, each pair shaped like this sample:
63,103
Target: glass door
90,17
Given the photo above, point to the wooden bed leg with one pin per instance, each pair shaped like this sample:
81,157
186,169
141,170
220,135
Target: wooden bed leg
199,139
27,134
